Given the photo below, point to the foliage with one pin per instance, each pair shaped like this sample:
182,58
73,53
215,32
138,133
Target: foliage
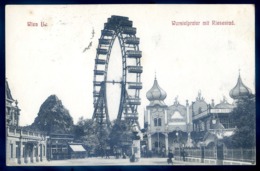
53,117
85,131
93,136
243,117
197,136
120,133
181,138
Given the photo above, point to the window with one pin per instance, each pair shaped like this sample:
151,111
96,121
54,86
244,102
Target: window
157,144
36,152
155,121
23,151
17,150
199,110
11,150
43,150
159,122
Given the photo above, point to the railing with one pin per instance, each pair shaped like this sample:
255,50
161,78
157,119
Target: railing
243,155
135,85
202,114
210,154
246,155
131,115
134,101
107,32
189,152
129,30
134,54
20,131
11,130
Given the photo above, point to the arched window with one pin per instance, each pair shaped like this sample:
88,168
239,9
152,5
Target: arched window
159,122
157,144
155,121
199,110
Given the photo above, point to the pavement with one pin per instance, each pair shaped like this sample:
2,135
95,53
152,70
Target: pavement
98,161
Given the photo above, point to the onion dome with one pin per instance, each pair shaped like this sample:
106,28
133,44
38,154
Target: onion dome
240,90
156,94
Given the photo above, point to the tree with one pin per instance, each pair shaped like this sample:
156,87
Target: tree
197,136
243,117
53,117
94,136
120,133
84,131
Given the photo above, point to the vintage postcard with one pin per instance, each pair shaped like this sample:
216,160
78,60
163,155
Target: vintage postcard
94,85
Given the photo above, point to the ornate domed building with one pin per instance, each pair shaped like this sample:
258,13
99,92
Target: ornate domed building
162,121
199,124
213,122
156,95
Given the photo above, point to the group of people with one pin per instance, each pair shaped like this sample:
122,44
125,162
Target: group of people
183,154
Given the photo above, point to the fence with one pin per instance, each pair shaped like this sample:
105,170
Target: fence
244,155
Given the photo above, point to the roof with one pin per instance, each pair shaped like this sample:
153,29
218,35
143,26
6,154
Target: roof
77,148
156,95
157,102
209,137
217,125
224,105
240,90
156,92
8,94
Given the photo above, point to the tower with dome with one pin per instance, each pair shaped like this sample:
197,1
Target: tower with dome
194,124
163,121
213,121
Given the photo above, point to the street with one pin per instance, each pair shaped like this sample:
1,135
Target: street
98,161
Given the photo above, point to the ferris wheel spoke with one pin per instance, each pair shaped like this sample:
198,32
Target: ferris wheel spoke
121,28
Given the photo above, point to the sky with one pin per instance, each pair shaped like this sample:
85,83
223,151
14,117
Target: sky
41,61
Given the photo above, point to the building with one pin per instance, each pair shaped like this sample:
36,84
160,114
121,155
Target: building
61,146
214,121
211,121
22,145
199,124
76,150
167,126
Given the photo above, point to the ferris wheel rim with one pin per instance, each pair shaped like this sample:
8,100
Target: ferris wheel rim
120,34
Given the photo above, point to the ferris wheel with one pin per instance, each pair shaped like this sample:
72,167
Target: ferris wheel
121,28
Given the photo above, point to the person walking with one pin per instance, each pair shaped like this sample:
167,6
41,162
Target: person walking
170,156
107,154
183,154
132,158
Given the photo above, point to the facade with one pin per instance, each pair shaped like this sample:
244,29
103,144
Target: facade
58,146
199,124
211,121
61,146
214,120
22,145
164,123
76,150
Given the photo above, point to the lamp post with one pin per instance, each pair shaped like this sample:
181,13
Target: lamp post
218,131
178,142
136,142
158,142
214,120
